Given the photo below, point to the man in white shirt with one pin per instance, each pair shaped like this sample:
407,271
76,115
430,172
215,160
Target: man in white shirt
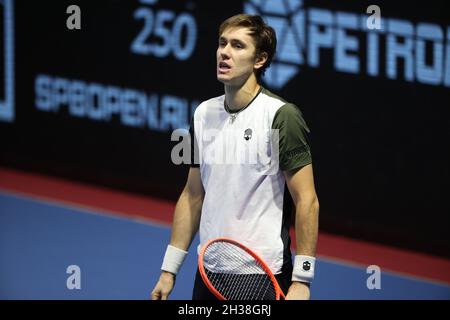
237,197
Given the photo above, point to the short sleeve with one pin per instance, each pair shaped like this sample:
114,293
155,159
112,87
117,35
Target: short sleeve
194,146
294,148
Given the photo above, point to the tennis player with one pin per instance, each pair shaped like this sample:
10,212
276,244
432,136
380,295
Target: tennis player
248,201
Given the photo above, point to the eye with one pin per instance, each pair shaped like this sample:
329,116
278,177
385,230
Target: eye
222,43
238,45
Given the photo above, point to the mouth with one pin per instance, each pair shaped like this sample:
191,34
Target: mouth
223,67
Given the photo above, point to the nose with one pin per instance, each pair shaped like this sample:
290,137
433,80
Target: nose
224,52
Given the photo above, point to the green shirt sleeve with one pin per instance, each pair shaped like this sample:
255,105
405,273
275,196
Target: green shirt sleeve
294,149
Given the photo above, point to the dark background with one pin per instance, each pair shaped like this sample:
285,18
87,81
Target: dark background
380,146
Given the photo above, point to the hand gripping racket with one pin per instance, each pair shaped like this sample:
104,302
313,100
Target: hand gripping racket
231,271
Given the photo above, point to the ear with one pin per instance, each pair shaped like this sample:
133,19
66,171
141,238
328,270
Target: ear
260,60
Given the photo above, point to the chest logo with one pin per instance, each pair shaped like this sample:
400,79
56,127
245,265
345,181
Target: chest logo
248,134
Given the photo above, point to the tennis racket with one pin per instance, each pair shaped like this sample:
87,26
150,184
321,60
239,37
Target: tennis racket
231,271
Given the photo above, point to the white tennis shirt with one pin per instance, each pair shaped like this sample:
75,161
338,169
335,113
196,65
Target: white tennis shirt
241,164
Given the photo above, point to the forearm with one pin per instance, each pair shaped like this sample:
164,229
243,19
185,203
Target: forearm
306,233
307,226
186,219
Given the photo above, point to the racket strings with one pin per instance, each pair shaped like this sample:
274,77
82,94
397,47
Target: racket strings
242,277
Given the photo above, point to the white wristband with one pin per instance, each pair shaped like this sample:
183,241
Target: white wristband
303,268
173,259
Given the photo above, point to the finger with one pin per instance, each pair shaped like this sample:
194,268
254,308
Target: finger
165,294
155,295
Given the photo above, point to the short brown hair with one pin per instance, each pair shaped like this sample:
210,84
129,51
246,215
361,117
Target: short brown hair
264,36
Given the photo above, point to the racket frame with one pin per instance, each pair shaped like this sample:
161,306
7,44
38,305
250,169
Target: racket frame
278,292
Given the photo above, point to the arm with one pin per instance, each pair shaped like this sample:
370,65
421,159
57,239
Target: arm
188,211
301,187
185,225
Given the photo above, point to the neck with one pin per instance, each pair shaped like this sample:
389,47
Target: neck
240,96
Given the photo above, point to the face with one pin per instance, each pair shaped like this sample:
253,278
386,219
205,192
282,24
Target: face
236,56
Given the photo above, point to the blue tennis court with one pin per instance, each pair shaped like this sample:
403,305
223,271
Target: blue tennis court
120,258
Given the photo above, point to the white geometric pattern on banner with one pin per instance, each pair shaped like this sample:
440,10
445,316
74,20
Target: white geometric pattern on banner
287,19
7,101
